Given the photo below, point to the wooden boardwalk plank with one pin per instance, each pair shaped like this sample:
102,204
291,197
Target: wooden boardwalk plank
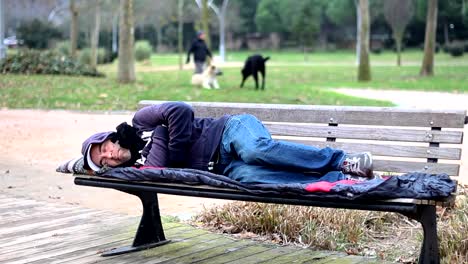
92,253
284,254
208,254
236,253
70,239
182,232
297,256
32,225
51,233
198,251
32,211
60,230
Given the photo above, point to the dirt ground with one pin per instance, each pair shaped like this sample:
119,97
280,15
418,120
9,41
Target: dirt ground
34,142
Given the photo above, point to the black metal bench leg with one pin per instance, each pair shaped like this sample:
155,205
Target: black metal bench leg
426,215
150,231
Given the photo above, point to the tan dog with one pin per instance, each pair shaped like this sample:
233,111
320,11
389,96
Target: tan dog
207,79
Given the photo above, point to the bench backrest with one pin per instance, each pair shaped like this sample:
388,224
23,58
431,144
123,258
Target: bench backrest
401,140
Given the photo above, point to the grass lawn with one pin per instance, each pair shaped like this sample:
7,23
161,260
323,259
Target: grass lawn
289,81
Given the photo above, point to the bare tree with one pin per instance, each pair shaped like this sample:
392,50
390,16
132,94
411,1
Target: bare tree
358,29
126,70
427,68
159,13
205,22
221,14
398,14
73,28
115,29
95,34
364,73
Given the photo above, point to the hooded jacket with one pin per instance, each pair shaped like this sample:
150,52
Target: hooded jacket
199,49
127,137
97,138
178,138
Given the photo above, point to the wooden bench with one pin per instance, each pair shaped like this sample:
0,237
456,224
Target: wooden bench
401,140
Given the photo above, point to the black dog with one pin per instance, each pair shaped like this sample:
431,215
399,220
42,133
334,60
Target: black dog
253,65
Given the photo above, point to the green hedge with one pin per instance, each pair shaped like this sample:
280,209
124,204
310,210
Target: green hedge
85,56
143,50
45,62
456,48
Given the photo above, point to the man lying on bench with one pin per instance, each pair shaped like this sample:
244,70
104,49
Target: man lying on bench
237,146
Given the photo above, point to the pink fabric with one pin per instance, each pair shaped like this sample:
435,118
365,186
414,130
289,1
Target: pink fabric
324,186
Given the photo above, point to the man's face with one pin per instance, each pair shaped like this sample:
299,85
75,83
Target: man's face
201,36
109,154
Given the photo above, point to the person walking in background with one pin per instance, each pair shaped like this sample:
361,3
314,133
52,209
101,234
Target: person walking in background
200,52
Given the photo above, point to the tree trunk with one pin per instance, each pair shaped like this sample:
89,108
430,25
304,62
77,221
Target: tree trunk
115,25
205,23
159,34
446,34
126,71
305,53
358,31
398,41
2,30
73,29
95,35
364,73
222,31
221,14
427,68
463,11
180,33
222,37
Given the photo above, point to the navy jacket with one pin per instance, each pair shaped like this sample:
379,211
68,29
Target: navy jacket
199,49
179,139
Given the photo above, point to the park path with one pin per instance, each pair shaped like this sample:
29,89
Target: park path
412,99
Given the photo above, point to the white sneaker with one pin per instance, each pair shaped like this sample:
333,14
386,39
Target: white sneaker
359,164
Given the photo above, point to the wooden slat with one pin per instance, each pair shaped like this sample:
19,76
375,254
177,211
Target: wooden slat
408,166
366,133
385,116
386,149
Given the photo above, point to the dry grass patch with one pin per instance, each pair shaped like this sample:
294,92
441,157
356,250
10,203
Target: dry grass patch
453,230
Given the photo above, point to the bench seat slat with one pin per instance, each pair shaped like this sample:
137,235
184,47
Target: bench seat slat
388,150
409,166
385,116
365,133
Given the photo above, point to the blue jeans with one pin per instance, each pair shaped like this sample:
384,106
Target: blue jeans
248,154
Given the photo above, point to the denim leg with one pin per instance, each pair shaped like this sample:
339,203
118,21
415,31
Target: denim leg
245,138
245,173
199,67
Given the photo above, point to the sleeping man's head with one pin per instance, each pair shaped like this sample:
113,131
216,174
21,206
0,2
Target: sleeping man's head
107,154
112,149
